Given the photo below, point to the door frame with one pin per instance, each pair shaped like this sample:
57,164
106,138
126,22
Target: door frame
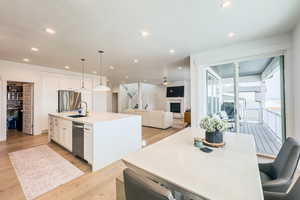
4,98
32,107
115,94
3,109
283,99
281,55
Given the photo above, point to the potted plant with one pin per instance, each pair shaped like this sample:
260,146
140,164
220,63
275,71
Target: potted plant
214,129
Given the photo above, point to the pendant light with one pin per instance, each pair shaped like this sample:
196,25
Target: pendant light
101,87
83,89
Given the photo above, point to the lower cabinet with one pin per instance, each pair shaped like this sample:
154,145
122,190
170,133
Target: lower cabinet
66,140
61,132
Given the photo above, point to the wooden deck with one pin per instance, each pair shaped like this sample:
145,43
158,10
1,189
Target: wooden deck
267,142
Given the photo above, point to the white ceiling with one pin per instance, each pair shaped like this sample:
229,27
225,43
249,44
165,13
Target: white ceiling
85,26
247,68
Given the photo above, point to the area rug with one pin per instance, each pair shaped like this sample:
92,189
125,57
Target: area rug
40,169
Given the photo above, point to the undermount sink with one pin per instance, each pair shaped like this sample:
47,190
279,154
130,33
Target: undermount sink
76,116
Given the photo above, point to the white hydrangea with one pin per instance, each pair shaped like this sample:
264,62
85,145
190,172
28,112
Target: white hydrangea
212,124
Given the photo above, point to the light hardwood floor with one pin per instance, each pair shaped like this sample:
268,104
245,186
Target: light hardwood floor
99,185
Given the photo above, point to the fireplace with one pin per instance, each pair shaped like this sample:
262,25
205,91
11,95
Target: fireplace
175,107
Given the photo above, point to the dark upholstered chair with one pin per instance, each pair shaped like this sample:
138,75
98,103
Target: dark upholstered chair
138,187
294,194
277,176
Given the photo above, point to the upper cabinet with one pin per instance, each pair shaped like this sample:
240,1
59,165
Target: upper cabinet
49,95
52,82
69,83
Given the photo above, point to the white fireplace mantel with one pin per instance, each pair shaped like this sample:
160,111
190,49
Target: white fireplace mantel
176,100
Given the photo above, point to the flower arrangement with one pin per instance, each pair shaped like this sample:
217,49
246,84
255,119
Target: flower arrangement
213,124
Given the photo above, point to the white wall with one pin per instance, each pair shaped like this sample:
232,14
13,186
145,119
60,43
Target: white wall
46,82
154,96
123,98
267,47
296,72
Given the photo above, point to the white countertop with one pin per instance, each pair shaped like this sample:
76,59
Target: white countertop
92,118
229,173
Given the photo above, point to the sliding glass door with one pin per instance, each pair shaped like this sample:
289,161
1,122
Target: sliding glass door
221,93
249,95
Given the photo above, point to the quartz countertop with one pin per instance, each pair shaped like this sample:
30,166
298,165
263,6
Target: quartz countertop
226,173
92,118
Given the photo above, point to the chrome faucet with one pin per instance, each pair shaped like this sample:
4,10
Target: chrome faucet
86,107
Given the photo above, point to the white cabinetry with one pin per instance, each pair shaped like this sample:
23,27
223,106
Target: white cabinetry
54,130
88,143
65,134
61,132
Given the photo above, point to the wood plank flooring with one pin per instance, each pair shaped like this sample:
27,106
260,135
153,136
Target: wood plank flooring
266,141
98,185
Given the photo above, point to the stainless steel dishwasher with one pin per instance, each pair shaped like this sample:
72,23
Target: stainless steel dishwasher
78,139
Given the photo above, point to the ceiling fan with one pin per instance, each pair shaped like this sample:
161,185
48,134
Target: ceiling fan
165,81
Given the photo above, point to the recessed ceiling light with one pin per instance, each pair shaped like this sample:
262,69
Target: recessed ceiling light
26,60
145,33
225,3
34,49
135,60
111,67
94,72
50,31
67,67
180,68
231,34
172,51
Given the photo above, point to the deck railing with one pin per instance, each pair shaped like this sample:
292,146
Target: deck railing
272,120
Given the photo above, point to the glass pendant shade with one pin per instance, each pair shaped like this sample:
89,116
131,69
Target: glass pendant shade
101,87
83,89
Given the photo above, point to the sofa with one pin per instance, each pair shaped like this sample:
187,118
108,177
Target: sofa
154,118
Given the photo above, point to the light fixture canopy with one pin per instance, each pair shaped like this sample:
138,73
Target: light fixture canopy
145,33
34,49
111,67
50,31
225,3
101,87
231,35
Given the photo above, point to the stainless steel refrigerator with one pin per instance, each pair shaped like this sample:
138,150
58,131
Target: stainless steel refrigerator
68,100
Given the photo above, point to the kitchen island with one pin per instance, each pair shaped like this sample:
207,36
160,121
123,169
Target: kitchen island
99,138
